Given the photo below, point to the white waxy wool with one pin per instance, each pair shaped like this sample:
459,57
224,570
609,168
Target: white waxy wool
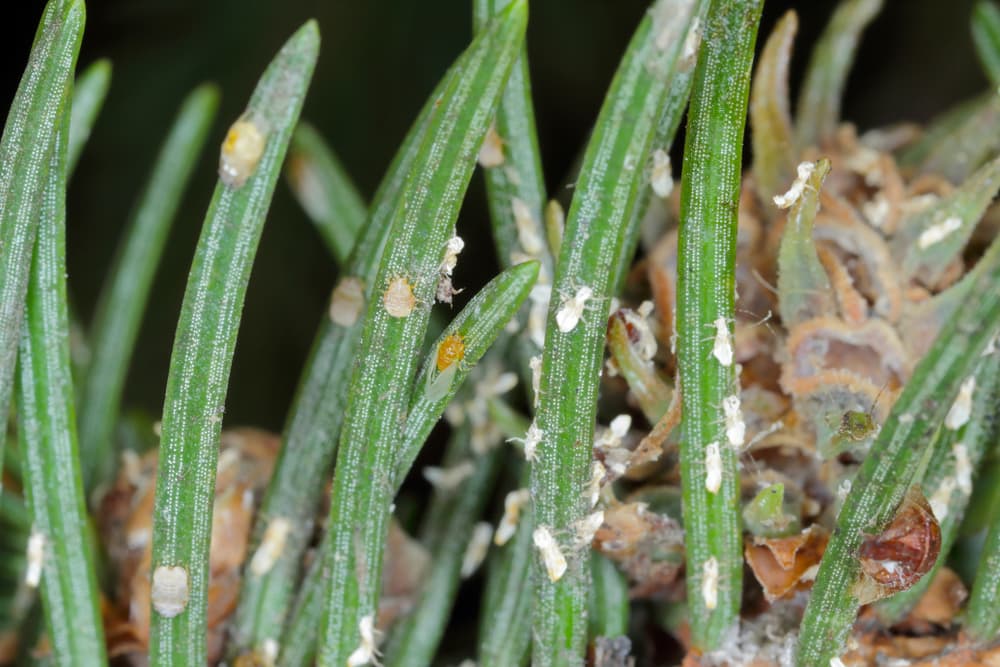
491,152
662,178
961,410
804,171
713,467
552,557
736,428
348,301
398,298
449,479
241,152
170,590
366,652
475,552
571,310
938,232
710,583
722,347
36,559
513,503
271,546
532,439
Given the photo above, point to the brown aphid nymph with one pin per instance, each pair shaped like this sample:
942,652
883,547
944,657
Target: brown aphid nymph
896,559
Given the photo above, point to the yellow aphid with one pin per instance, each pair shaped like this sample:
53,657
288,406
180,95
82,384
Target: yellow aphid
367,650
271,546
803,172
661,179
241,151
513,503
710,583
961,410
451,349
587,527
398,297
348,301
170,590
736,428
36,558
722,347
552,557
713,467
475,551
491,153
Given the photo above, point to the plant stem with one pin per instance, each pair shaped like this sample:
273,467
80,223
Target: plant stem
395,325
446,534
203,352
89,93
47,432
710,192
598,227
325,191
126,291
25,153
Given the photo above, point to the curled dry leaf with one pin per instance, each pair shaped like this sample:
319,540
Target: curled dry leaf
783,565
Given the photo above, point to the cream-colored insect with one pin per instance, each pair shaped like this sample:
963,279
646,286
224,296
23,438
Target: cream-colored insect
449,479
961,410
170,590
271,546
513,503
736,428
585,528
571,309
241,152
661,179
692,41
348,301
722,345
710,583
713,467
552,556
613,436
491,152
803,171
36,559
938,232
597,474
536,377
475,551
527,227
540,296
398,297
367,651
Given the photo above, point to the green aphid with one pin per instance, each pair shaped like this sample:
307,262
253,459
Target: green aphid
856,426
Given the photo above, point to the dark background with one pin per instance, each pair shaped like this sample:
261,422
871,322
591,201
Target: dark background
379,59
